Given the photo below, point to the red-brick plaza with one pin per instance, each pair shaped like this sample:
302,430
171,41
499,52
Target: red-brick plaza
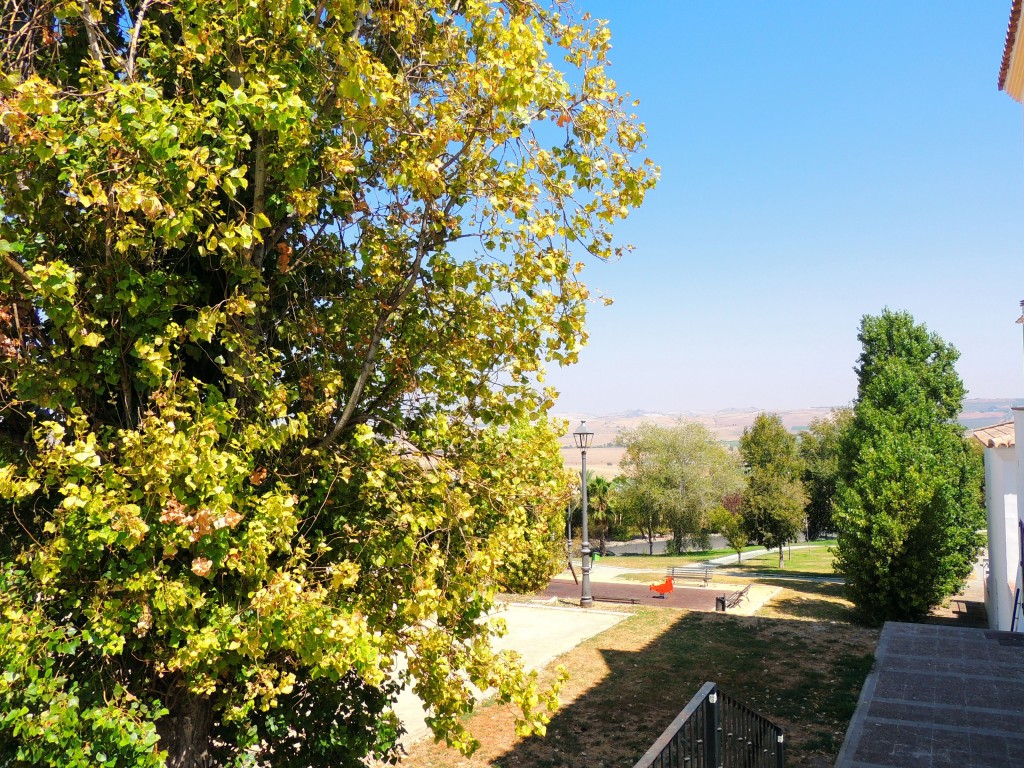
681,597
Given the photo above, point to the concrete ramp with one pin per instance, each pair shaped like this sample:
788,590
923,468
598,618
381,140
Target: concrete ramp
539,633
937,697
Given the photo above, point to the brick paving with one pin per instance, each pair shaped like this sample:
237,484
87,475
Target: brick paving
693,598
940,696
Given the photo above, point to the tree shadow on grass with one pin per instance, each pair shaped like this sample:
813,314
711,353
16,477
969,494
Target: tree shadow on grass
813,602
807,682
759,571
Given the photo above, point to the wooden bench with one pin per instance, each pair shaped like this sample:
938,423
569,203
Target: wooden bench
623,600
737,597
700,573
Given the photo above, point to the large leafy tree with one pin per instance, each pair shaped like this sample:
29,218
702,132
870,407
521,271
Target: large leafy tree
909,498
819,449
774,501
278,281
676,476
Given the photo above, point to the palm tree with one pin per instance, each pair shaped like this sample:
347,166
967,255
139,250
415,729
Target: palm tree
598,494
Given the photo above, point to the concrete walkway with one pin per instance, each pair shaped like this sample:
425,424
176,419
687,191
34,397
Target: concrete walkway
940,697
605,571
539,633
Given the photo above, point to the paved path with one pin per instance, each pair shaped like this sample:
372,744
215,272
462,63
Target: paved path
538,633
694,598
610,569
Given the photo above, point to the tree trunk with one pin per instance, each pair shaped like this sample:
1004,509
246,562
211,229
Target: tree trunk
739,556
781,563
185,731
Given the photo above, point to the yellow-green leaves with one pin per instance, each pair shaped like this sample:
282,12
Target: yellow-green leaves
279,285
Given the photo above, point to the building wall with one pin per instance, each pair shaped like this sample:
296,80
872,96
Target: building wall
1001,483
1014,545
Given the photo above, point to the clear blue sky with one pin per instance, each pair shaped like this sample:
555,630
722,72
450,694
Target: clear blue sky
820,161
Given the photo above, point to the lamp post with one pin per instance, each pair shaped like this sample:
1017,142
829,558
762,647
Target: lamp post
583,438
1020,320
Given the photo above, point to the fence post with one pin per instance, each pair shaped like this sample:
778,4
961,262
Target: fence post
712,733
780,749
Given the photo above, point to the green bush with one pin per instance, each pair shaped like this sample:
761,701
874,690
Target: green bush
909,496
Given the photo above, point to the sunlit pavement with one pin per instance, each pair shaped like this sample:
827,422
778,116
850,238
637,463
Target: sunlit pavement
539,633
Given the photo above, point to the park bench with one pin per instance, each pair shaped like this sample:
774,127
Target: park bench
736,597
623,600
700,573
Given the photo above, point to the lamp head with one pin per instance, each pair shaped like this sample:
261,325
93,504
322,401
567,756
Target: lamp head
583,436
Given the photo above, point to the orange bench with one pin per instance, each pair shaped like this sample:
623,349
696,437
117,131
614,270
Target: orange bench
663,588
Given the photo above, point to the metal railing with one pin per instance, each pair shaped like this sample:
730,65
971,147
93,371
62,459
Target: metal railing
714,731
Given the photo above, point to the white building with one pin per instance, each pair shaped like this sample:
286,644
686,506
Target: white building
1004,463
1004,474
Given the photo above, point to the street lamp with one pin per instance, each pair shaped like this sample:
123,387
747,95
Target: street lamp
583,438
1020,320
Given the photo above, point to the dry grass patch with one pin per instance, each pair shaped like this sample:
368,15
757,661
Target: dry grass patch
628,683
808,601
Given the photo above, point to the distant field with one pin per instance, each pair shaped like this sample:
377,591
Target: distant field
726,425
601,461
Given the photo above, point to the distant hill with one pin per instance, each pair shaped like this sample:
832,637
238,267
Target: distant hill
981,412
728,425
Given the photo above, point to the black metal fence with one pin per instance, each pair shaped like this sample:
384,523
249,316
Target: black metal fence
714,731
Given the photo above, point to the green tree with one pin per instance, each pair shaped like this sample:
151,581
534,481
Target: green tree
909,498
773,504
641,506
819,450
599,506
617,512
599,516
728,521
677,476
278,281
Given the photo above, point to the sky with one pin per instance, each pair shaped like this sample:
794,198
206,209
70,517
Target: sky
819,161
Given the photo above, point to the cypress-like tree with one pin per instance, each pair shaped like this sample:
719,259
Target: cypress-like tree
909,497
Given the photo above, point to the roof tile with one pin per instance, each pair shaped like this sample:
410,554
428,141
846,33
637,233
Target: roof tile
996,436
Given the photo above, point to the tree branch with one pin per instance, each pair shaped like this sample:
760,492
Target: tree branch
92,31
259,193
16,268
396,298
17,327
134,44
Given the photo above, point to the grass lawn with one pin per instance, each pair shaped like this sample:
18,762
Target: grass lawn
801,663
660,562
815,561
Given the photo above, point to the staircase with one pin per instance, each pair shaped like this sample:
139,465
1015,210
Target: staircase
715,731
